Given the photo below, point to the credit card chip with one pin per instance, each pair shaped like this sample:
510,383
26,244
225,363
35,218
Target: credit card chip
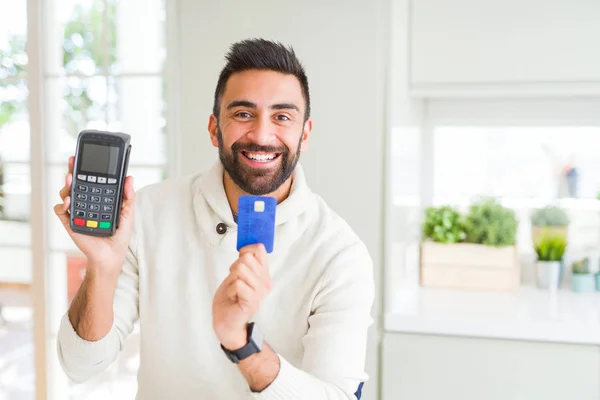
259,206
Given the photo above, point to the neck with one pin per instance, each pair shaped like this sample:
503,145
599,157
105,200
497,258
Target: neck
233,191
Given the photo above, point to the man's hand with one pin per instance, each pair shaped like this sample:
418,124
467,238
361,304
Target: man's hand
240,295
91,312
105,255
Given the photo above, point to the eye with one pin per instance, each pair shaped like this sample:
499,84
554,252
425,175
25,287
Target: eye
243,114
282,117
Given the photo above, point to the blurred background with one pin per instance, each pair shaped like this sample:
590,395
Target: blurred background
465,133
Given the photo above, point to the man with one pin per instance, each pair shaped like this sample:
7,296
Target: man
216,323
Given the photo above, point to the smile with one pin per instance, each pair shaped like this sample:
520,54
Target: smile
260,157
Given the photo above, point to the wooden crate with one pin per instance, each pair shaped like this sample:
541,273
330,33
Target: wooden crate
470,266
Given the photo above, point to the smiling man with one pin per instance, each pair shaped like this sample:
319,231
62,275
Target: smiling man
217,323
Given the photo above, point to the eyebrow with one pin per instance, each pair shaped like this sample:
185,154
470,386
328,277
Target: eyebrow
249,104
241,103
284,106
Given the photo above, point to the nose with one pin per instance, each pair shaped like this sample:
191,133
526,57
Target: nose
262,132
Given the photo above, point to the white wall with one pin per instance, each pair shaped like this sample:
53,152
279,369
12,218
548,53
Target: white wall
432,367
403,149
498,55
342,44
534,45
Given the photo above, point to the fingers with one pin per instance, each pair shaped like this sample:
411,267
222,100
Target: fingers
62,211
258,268
258,250
248,280
239,291
66,190
246,271
128,198
67,204
128,189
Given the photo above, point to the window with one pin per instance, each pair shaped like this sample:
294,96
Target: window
16,353
14,118
528,153
535,163
107,74
524,168
103,68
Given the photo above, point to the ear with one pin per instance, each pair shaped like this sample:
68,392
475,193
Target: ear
213,126
305,134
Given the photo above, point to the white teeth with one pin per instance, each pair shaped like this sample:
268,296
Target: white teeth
260,157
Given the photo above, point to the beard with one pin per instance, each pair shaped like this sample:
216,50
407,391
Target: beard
257,181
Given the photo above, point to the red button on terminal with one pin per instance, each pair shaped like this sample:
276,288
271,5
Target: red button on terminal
79,221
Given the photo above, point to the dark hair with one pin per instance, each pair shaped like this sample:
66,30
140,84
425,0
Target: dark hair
261,54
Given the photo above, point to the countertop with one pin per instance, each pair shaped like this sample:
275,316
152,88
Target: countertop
527,314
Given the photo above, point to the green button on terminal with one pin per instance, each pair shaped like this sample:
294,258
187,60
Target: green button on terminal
104,225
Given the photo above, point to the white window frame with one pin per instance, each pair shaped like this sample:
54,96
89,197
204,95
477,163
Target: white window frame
512,110
497,112
37,10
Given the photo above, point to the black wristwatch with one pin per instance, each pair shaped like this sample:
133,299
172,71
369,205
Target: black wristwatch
254,345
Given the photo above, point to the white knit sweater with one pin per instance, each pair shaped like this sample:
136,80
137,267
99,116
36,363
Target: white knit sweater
315,317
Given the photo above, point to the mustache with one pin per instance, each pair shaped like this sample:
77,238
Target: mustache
253,147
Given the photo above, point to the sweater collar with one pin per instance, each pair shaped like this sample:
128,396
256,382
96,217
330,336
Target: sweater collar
210,186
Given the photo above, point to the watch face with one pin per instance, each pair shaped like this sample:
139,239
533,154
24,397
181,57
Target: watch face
256,337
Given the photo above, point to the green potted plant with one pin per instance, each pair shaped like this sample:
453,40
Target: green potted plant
475,251
582,280
491,224
550,249
549,219
443,225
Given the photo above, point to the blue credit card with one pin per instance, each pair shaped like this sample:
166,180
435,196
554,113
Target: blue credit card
256,221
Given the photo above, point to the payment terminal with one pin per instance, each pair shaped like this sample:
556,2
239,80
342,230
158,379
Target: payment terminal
101,161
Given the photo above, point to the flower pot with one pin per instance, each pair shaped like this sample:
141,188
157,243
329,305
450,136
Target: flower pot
538,231
597,277
583,283
548,274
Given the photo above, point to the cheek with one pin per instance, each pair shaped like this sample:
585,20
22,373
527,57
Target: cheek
291,142
231,135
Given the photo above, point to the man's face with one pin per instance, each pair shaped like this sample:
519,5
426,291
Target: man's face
261,130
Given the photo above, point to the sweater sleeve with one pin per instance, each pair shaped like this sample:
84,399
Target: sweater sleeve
81,359
333,366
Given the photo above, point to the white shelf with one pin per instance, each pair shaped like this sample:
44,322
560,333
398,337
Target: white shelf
519,203
529,314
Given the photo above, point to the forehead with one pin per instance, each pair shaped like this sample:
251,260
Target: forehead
263,88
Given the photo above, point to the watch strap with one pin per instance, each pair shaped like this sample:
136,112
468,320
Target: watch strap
250,348
238,355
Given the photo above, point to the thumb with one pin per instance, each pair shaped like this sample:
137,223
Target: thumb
61,211
128,199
